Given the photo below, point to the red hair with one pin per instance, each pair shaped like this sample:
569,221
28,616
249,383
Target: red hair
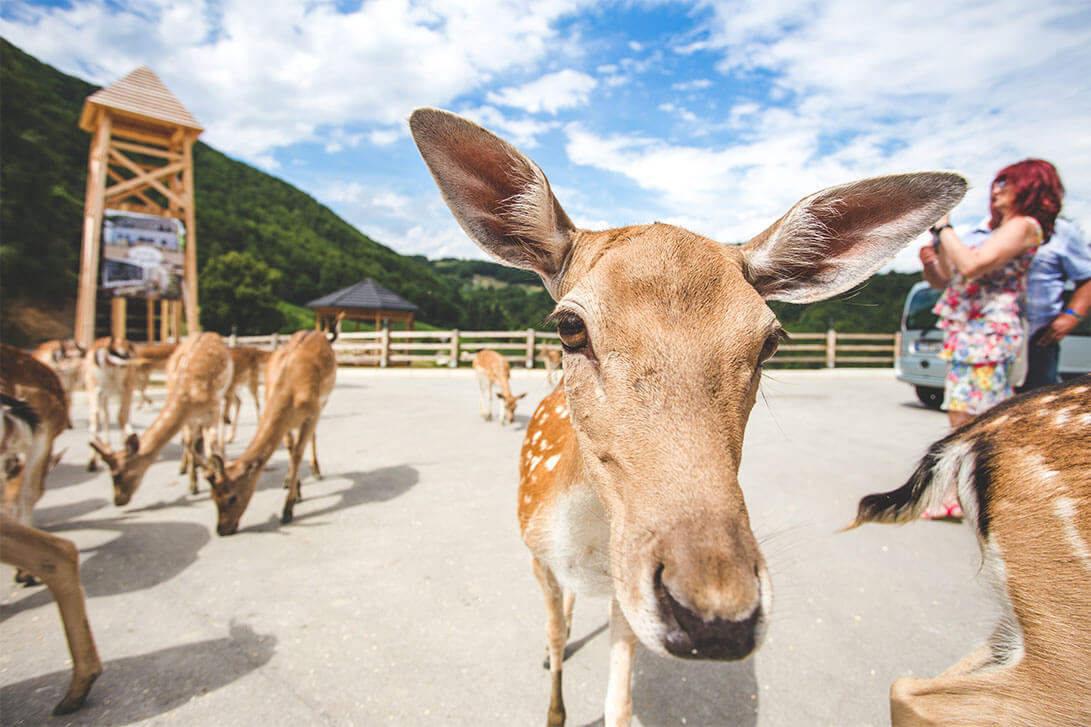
1037,192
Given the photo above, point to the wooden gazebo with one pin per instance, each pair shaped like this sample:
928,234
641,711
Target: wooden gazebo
364,301
141,161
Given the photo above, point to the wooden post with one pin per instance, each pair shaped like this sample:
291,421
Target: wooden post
176,320
897,348
92,233
118,314
193,322
831,348
384,352
530,348
455,353
164,320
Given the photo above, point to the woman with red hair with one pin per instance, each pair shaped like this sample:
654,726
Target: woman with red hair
984,277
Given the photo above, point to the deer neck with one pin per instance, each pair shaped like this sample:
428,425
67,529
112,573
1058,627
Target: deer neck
272,427
163,429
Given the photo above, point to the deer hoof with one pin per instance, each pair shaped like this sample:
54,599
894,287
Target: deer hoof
92,466
286,517
26,578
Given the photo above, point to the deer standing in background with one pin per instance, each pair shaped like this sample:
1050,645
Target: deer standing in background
628,482
249,370
65,357
551,357
492,369
298,383
108,371
154,357
197,376
1023,474
26,379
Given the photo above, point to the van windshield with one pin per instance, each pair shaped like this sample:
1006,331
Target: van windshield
920,316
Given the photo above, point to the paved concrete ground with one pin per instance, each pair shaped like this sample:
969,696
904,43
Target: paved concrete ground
402,594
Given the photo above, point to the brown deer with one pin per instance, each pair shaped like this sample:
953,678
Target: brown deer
109,370
628,479
250,363
492,369
1023,475
154,358
197,376
551,357
56,561
25,378
65,357
298,383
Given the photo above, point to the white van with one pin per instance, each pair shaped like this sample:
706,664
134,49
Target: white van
920,365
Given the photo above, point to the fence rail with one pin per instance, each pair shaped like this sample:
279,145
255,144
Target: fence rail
523,348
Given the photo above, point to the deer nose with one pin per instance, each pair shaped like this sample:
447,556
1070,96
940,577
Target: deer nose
691,636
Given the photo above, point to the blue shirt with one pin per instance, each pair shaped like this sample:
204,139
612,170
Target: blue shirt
1065,257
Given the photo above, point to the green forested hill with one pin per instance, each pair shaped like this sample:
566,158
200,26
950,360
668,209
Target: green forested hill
43,166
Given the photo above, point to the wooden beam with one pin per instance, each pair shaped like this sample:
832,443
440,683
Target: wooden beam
193,310
118,312
92,233
143,179
151,320
164,320
151,151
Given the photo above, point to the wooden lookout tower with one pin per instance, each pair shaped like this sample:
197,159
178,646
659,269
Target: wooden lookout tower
141,161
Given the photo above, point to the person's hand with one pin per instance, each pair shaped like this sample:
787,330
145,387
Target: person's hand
1061,326
928,256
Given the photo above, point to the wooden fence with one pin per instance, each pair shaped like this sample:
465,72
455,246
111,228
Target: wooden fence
523,348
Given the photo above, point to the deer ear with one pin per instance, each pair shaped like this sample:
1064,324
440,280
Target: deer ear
838,237
132,444
105,452
499,196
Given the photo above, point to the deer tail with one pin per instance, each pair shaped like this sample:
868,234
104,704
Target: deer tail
924,490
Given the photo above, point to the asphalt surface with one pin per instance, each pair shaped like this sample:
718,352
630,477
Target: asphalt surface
402,594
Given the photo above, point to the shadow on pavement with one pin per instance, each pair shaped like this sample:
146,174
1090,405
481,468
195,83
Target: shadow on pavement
696,693
142,556
136,688
366,487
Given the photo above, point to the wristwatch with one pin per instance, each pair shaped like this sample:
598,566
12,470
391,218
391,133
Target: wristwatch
935,234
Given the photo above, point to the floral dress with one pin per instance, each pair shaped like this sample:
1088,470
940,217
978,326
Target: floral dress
984,332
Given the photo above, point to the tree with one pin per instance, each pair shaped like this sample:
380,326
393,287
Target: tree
238,290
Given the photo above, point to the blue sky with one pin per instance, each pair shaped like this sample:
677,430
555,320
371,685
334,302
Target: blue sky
713,115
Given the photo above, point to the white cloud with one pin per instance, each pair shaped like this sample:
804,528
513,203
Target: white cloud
265,75
550,93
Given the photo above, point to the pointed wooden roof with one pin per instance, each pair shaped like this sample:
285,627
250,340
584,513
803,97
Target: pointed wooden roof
141,94
367,295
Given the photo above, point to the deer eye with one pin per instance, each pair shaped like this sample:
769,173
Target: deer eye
772,343
572,331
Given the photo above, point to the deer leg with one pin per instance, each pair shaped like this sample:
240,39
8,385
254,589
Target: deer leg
98,406
305,433
556,636
289,444
123,411
619,689
484,403
317,473
234,401
56,560
183,467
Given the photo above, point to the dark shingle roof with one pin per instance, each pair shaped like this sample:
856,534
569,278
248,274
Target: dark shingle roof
367,294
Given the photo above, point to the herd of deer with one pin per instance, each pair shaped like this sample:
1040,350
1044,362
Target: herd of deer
628,473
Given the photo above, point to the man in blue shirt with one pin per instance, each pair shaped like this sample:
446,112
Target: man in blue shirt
1066,257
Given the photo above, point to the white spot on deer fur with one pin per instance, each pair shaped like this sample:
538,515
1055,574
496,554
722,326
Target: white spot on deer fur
552,462
1062,416
536,436
534,462
561,411
1006,642
1065,508
1049,399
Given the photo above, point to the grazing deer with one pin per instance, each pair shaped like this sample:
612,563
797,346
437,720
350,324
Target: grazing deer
154,358
197,376
56,561
628,481
25,378
298,383
551,357
109,371
493,369
250,363
1023,474
65,357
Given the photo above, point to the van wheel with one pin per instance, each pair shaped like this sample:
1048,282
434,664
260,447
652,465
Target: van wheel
930,397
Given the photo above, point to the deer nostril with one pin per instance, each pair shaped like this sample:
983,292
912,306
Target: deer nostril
690,636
